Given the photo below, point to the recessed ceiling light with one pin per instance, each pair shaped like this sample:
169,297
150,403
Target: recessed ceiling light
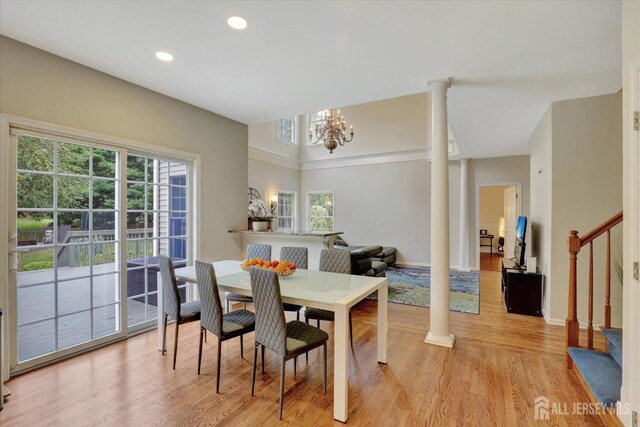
164,56
237,22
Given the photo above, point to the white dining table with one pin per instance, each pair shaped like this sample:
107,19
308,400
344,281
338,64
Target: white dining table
309,288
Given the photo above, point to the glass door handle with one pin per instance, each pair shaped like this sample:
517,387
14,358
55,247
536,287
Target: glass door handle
13,253
13,260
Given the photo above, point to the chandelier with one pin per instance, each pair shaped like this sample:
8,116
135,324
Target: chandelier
331,127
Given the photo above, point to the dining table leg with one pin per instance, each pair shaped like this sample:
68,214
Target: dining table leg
383,293
159,306
341,363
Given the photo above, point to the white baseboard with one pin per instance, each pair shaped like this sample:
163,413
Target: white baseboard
428,265
413,264
562,322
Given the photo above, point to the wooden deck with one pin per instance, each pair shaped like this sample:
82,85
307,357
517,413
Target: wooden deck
500,363
74,294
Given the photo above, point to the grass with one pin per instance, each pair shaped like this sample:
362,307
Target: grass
37,256
44,257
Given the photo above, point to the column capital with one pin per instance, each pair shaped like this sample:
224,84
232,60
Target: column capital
439,85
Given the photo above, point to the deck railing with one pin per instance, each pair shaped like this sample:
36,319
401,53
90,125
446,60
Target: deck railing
575,244
76,255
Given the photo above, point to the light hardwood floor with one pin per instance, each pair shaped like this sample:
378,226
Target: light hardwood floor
500,364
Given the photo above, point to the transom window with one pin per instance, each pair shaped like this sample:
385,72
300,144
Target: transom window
286,210
321,211
286,129
313,118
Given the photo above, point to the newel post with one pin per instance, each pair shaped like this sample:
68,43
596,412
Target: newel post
572,326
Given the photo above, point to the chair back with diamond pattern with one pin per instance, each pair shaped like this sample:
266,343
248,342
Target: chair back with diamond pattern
259,251
297,255
169,288
271,325
335,261
211,306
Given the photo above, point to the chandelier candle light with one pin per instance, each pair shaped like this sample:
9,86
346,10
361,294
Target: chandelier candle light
331,127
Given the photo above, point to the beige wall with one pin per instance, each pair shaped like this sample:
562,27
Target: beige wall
267,178
263,137
578,148
540,221
40,86
491,209
386,204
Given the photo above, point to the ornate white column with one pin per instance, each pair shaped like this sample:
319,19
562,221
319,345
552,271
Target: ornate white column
439,324
464,214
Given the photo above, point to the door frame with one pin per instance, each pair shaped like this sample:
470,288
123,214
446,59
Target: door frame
476,238
631,290
7,283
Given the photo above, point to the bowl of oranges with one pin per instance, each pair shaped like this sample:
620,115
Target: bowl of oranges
282,268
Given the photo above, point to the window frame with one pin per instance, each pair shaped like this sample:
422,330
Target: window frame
333,203
309,126
294,130
294,210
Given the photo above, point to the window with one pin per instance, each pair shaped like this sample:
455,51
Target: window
321,211
178,216
286,210
286,129
313,119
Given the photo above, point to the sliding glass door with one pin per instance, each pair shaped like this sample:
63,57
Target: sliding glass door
157,224
68,278
91,221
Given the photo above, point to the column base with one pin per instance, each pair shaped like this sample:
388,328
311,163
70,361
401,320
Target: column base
445,341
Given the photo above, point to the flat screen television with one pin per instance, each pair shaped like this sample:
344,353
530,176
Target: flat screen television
521,231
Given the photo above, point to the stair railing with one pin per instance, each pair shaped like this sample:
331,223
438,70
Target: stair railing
575,244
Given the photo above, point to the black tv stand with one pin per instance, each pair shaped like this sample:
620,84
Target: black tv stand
522,290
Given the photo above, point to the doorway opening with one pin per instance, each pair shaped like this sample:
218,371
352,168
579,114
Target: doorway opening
498,210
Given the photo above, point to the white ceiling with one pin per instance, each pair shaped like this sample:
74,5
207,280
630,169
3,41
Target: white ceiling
508,60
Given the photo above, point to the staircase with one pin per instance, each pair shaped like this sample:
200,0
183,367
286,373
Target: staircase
600,372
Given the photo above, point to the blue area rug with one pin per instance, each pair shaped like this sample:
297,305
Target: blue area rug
412,286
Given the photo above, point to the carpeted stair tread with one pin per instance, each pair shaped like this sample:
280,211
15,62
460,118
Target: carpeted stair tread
602,374
614,344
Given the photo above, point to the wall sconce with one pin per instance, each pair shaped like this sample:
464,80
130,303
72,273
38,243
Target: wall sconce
274,204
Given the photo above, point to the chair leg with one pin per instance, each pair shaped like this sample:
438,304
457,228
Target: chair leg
175,345
218,369
241,347
295,365
164,336
245,306
324,365
298,315
205,335
253,371
262,351
350,330
306,354
281,387
202,331
318,322
228,304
